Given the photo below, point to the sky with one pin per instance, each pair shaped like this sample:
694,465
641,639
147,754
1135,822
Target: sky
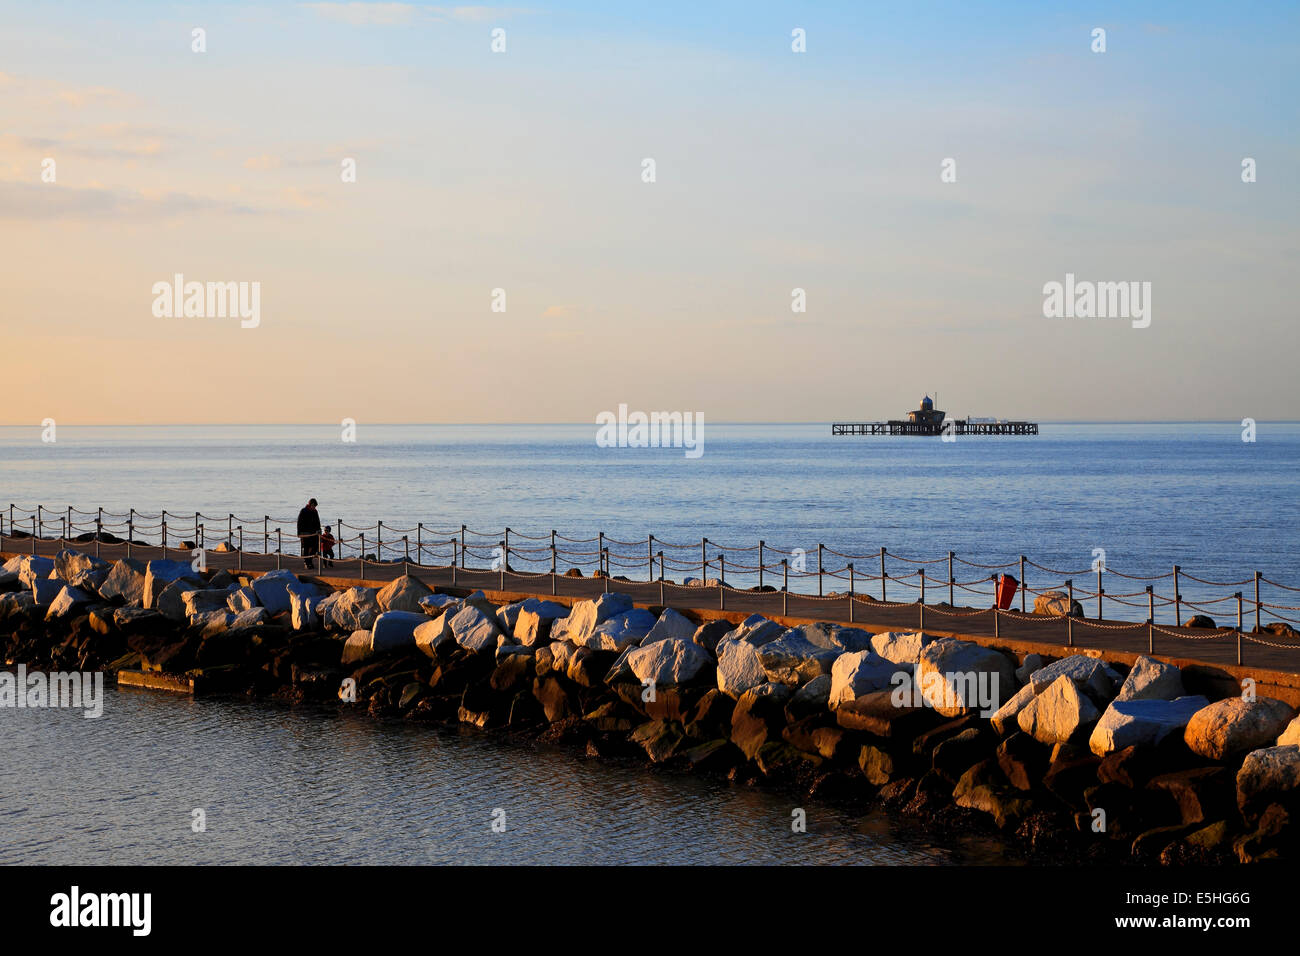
524,171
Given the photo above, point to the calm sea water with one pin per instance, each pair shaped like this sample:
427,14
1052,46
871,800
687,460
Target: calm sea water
306,785
1150,496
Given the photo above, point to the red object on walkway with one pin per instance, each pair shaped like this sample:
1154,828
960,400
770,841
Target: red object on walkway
1006,590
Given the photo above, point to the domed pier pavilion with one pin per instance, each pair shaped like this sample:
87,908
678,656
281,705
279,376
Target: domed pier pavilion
928,420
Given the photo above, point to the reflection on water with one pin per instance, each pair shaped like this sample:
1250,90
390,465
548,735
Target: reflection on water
308,785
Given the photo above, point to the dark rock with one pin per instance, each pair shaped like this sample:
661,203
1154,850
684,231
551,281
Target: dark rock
1069,773
1199,620
711,716
955,755
1023,760
557,703
759,716
1201,795
984,788
512,674
876,765
1274,837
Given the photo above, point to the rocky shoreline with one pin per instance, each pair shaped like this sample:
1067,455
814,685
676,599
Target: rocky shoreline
1067,759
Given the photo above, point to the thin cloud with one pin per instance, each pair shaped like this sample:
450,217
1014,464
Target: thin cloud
400,14
48,202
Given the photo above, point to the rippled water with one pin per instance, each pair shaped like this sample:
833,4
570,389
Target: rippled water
284,784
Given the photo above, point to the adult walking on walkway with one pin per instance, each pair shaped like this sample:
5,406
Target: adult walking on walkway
309,532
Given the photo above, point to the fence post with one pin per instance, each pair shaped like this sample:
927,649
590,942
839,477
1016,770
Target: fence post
230,529
883,576
379,542
361,536
1178,600
600,553
63,532
406,557
453,562
1022,584
68,525
1069,614
164,537
505,550
997,620
462,547
852,584
266,534
952,594
1100,590
279,548
650,556
34,533
722,582
38,522
661,577
605,559
760,564
704,562
419,542
130,532
785,586
1151,620
197,516
920,623
1256,598
201,543
505,560
239,564
1239,626
820,548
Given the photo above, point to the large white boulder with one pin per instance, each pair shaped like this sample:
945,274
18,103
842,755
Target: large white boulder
1089,673
403,594
272,589
856,673
1059,714
1127,723
671,625
957,677
1234,726
202,600
739,668
668,662
583,619
1150,679
901,647
69,601
473,629
158,575
534,621
1291,735
32,568
303,603
620,631
395,631
755,631
45,590
1268,770
792,659
433,633
355,609
242,599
